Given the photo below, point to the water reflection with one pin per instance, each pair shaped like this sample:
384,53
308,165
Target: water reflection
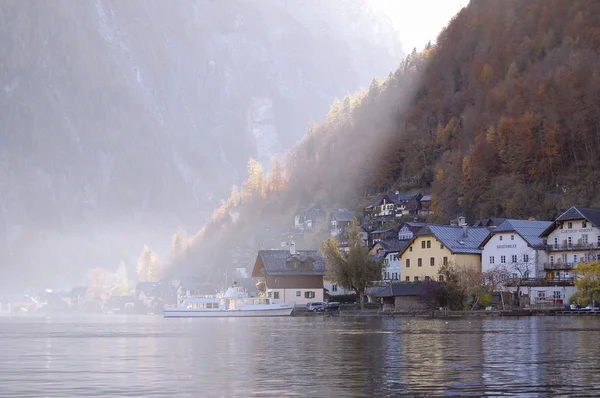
316,356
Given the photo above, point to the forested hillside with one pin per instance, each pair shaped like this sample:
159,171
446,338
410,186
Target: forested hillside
500,117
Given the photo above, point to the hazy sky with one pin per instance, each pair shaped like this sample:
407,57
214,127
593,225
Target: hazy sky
419,21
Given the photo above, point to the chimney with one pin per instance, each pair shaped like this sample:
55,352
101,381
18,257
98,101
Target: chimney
465,229
292,249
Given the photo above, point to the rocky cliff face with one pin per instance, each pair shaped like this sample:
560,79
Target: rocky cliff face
123,120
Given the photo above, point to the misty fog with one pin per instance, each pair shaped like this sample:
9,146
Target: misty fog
124,122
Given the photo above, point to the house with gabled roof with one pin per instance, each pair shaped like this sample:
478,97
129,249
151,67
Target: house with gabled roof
340,219
517,246
437,245
572,238
395,205
409,228
306,218
425,206
388,251
516,249
291,275
383,234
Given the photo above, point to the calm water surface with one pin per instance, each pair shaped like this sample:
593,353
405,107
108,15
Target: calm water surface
309,356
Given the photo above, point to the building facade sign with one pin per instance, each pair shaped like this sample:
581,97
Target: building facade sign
574,231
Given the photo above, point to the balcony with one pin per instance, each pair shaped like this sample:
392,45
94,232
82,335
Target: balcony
559,266
573,247
535,282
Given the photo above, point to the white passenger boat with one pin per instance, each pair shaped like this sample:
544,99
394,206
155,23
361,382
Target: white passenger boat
234,303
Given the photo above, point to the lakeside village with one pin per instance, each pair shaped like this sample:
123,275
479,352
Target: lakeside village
509,263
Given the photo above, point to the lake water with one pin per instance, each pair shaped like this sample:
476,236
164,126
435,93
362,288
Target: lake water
151,356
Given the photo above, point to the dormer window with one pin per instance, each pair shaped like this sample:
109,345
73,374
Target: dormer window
570,225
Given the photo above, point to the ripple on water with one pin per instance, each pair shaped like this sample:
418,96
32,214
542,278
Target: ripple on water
318,357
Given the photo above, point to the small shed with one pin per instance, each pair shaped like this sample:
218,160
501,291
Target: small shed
401,296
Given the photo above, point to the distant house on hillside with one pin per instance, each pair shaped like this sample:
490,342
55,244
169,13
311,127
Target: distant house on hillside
383,234
408,229
306,218
395,205
340,219
290,275
425,206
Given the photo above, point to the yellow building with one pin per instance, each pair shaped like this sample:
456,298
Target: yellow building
435,245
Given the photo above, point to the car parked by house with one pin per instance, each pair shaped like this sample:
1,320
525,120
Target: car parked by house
316,306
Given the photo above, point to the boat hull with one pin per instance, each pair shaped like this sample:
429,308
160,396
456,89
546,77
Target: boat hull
216,313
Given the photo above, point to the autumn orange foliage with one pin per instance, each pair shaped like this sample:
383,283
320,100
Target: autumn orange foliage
498,118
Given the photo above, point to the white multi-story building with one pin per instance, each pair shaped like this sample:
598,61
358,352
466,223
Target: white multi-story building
574,237
516,246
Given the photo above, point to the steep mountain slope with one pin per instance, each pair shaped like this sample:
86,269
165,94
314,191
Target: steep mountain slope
498,118
138,116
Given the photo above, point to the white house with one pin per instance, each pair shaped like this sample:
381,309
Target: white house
391,266
516,246
572,238
409,229
396,205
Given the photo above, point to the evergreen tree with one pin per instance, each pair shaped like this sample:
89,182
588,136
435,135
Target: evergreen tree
254,184
147,266
276,177
178,244
121,287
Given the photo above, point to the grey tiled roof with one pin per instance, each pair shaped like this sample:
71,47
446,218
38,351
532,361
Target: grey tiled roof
575,213
399,198
343,215
381,231
578,213
390,246
527,229
278,262
453,237
414,225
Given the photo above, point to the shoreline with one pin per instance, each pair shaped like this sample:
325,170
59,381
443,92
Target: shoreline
446,314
